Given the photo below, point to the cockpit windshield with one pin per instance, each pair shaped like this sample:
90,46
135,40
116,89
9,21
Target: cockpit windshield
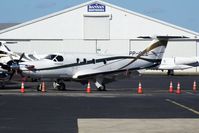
54,57
50,57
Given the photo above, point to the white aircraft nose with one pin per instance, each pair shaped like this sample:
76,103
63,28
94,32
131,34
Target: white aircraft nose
14,66
30,67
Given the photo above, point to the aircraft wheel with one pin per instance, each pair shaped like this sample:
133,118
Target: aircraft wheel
2,86
170,72
39,87
102,88
61,86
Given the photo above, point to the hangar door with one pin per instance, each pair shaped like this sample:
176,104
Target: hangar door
96,26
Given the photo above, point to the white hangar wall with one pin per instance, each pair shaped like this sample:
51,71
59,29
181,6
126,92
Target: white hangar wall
45,47
72,45
71,24
113,31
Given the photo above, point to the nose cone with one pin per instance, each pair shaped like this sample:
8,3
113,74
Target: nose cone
15,66
30,67
26,67
28,70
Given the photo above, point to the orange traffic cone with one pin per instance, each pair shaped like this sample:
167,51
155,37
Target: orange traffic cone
43,87
22,90
178,91
139,90
171,87
194,86
88,89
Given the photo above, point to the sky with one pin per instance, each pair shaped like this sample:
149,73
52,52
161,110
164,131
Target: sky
183,13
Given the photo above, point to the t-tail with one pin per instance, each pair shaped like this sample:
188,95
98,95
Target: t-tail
156,48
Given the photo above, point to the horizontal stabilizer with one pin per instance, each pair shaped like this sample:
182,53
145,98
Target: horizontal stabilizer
162,37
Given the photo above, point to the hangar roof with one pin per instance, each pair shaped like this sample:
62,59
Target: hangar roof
7,25
101,2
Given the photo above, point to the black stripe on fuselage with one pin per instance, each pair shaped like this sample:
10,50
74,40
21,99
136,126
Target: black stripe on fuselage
97,61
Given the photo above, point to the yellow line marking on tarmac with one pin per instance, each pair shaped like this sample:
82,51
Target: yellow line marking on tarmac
183,106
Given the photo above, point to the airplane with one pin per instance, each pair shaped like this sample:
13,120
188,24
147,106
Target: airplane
7,58
178,63
100,69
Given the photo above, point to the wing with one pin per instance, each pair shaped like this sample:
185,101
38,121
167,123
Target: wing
92,74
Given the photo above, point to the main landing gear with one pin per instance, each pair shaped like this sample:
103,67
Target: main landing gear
100,86
170,72
59,85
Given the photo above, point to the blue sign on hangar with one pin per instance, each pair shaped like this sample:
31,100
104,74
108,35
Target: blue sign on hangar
96,8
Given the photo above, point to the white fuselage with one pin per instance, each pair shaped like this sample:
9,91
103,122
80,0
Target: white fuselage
178,63
78,66
74,65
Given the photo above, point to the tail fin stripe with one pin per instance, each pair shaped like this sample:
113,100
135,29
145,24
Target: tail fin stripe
148,49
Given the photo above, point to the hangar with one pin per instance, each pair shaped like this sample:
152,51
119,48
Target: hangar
96,27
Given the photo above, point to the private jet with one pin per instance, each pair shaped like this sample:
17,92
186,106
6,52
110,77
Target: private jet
178,63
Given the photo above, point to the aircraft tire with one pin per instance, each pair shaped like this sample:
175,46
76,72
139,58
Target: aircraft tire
170,72
102,88
39,87
61,87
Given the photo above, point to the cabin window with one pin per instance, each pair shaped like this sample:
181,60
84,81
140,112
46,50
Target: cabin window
94,61
77,60
84,60
59,58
